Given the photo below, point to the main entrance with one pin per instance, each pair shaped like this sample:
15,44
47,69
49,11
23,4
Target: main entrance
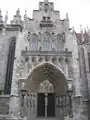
46,84
46,105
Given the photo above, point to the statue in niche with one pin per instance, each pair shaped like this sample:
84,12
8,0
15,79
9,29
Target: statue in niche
21,74
46,36
59,37
40,48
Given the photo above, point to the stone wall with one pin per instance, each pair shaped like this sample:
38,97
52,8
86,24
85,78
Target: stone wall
5,40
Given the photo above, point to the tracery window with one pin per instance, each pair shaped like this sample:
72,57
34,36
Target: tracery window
34,42
46,86
46,42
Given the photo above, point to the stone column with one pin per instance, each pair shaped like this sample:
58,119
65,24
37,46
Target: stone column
14,107
71,44
29,107
83,110
83,72
76,78
80,101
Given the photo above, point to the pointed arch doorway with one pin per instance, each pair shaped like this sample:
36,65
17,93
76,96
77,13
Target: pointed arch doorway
45,81
46,100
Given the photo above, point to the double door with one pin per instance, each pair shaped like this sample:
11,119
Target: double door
46,105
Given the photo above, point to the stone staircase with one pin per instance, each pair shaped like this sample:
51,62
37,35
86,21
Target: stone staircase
4,106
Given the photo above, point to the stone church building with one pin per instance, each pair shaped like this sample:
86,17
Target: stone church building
44,67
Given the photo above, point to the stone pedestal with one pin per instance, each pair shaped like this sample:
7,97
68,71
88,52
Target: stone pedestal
14,111
80,108
14,106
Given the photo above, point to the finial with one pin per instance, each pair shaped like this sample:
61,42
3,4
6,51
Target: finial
18,12
1,16
0,12
87,28
67,16
25,16
73,28
6,17
25,20
25,13
81,29
84,30
46,1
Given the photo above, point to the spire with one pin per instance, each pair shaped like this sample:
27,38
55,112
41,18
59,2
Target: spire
25,20
18,12
25,16
85,30
0,12
73,29
67,16
0,15
6,17
81,30
1,21
88,31
17,18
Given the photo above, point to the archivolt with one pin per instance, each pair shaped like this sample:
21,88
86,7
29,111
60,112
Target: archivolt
43,71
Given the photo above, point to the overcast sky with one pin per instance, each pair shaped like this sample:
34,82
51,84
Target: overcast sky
78,10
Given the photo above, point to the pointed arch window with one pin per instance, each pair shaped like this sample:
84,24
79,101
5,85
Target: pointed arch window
46,42
10,62
34,42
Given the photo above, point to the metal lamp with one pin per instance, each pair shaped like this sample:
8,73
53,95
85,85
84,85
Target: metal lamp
23,93
70,92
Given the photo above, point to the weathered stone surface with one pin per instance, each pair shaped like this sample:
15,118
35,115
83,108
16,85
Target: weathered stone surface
46,40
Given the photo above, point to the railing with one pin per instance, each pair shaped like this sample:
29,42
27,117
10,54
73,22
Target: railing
45,53
45,23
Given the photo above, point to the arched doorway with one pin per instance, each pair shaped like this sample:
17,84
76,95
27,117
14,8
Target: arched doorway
46,100
46,85
43,71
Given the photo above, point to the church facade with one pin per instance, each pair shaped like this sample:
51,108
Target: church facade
44,67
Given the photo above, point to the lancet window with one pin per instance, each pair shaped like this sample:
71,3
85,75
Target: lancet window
11,54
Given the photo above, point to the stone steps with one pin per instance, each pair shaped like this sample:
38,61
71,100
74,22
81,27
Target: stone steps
4,104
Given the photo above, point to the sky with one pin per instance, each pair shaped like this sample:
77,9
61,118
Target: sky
78,10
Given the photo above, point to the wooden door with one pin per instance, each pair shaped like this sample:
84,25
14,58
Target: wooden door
51,105
41,105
